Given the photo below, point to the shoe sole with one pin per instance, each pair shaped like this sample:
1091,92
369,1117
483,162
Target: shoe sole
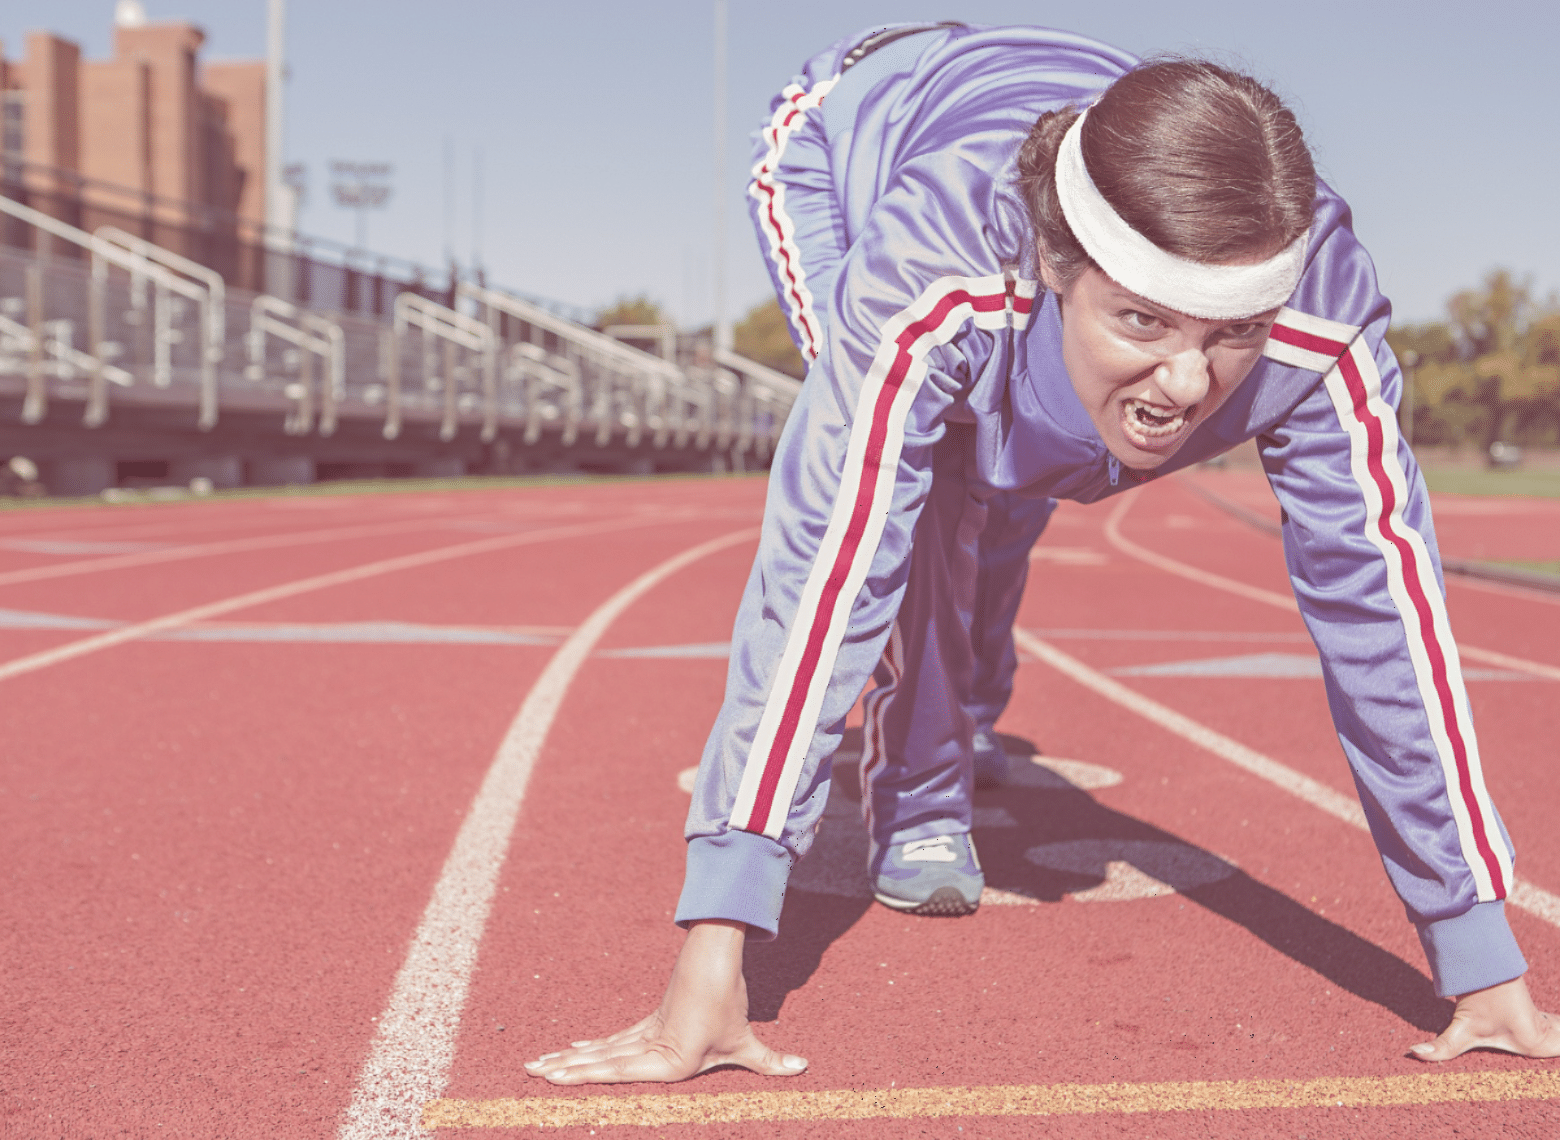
945,902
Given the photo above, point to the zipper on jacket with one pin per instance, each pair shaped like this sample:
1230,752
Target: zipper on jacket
1113,465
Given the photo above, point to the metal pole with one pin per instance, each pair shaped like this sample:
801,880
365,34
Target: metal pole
276,210
390,347
722,326
1410,364
451,423
1411,394
449,200
476,217
97,391
36,403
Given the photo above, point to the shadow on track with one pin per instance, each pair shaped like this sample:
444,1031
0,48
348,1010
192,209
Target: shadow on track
1045,838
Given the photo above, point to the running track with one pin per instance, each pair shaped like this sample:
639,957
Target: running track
319,815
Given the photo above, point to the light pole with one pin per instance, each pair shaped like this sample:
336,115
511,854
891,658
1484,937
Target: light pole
361,186
1410,362
277,240
722,326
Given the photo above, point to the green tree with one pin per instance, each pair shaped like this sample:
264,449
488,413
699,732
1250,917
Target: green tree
763,335
1491,371
636,310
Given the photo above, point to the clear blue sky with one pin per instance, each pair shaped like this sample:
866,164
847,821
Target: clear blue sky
595,120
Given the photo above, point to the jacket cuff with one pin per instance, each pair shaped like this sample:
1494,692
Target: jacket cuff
739,876
1472,951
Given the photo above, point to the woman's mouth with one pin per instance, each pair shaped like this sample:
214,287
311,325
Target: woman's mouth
1153,426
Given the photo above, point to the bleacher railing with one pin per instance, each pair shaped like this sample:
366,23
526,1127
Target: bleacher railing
84,315
313,337
168,283
444,334
589,380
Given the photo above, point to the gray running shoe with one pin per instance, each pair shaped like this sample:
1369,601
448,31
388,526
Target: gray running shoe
991,760
940,876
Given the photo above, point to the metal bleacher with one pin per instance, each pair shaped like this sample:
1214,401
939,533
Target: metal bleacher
119,354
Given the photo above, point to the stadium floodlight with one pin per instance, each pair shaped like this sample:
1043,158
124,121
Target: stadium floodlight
361,186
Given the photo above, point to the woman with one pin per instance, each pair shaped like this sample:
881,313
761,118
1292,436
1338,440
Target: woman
1007,301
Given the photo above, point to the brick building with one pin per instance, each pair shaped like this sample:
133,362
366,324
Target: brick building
151,140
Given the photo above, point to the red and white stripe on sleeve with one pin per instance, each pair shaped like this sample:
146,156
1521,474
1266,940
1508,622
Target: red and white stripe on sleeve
775,224
1354,384
859,514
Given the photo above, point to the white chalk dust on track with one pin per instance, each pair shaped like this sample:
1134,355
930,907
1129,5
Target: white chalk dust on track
409,1061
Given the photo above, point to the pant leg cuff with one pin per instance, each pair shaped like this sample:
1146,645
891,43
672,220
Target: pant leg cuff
739,876
1472,951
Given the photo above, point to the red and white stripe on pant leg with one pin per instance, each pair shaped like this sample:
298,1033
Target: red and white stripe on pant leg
860,511
1354,384
779,232
874,753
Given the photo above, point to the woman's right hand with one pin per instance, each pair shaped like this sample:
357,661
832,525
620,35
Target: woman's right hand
1501,1017
701,1023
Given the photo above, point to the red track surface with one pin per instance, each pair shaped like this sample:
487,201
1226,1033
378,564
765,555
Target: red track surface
216,851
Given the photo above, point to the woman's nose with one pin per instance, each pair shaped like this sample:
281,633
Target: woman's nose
1183,378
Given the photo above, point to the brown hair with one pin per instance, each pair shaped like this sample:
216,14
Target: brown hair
1205,162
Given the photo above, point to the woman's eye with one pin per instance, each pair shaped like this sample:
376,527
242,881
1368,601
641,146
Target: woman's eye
1246,330
1141,322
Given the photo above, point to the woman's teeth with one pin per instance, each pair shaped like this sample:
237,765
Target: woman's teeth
1152,421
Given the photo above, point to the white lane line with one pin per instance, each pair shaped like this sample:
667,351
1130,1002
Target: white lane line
229,546
409,1061
1285,601
1466,582
1124,544
58,546
1535,900
1313,792
73,649
1505,660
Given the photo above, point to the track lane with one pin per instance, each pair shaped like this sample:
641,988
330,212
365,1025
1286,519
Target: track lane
1016,992
429,515
268,594
288,806
161,525
1051,993
1285,601
409,1062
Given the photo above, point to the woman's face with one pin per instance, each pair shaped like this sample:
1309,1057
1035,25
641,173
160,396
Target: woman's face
1149,375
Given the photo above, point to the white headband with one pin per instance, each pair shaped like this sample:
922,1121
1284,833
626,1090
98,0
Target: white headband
1212,292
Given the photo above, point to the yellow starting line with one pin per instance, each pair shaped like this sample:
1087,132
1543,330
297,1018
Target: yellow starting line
992,1100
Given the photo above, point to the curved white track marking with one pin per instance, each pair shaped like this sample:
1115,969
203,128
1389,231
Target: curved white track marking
1313,792
1124,544
1285,601
1505,660
1467,582
1534,900
73,649
409,1062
